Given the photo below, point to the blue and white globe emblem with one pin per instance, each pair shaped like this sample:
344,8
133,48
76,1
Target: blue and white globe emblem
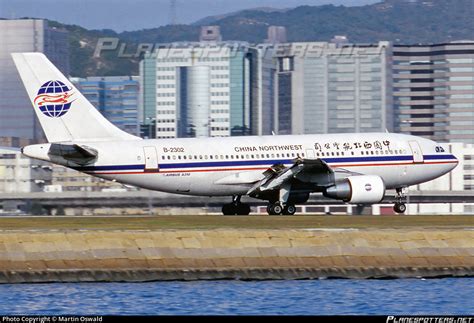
54,99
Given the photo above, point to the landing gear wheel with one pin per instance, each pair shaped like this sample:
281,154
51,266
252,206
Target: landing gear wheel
275,209
289,210
400,207
243,209
228,209
236,209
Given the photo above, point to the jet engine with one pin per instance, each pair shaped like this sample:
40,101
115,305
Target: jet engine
360,189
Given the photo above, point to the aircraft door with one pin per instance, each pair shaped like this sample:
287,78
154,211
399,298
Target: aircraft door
417,153
151,159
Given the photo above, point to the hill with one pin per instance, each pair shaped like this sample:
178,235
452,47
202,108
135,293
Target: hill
400,21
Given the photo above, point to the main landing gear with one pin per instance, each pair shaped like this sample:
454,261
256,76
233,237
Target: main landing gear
236,207
282,207
399,206
278,209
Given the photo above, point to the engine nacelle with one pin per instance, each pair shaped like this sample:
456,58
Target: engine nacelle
361,189
298,198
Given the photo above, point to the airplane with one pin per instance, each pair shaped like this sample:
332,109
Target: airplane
284,170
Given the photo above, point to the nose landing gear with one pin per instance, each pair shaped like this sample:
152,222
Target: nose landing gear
400,206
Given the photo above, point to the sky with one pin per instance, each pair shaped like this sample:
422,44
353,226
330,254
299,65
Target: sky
121,15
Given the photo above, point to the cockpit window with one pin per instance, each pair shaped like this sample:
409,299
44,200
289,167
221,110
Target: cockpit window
439,149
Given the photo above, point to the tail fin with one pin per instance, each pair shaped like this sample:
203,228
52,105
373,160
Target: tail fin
64,113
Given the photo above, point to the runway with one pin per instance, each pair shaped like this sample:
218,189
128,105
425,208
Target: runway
234,222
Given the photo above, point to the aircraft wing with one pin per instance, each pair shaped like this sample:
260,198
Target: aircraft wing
311,171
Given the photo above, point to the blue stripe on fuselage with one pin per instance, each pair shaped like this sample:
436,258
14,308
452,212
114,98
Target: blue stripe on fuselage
234,163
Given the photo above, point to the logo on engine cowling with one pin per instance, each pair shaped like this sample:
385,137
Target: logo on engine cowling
368,187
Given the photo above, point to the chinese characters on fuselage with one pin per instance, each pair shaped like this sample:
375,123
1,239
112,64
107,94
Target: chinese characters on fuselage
347,146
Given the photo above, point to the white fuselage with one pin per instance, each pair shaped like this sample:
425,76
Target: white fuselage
227,166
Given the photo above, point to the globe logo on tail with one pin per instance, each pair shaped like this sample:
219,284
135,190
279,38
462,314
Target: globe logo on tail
54,99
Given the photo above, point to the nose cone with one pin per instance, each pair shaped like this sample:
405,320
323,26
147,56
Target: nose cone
454,163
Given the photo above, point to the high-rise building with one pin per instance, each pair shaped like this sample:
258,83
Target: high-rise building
116,97
276,34
331,88
20,174
263,90
201,89
210,34
434,90
17,117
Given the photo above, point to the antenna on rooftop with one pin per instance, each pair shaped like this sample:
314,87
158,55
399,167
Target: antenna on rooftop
172,16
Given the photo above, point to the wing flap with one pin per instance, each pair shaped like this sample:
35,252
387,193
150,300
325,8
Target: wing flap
278,175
